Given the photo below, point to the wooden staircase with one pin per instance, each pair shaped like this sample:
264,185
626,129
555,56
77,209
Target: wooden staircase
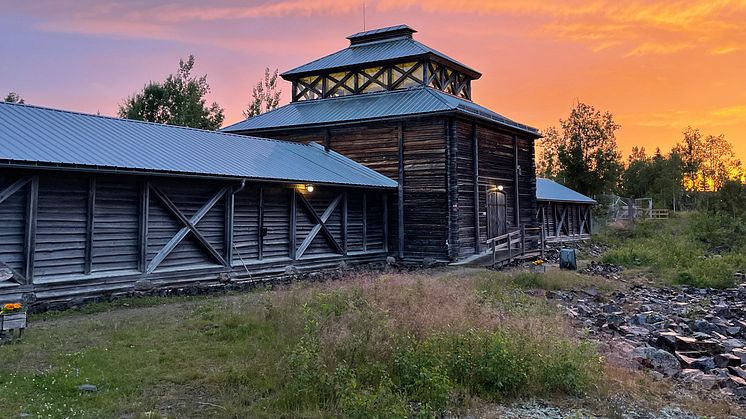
518,243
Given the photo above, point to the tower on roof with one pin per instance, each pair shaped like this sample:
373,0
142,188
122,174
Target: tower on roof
380,60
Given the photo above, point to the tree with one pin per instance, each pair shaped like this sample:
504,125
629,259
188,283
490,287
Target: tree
13,97
583,153
637,154
707,162
179,100
658,177
265,96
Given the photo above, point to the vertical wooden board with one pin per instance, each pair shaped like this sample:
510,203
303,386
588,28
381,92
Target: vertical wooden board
13,224
276,209
116,224
374,221
61,226
355,221
246,224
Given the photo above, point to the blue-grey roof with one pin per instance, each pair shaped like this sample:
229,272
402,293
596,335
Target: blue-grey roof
398,48
31,135
375,33
370,106
549,190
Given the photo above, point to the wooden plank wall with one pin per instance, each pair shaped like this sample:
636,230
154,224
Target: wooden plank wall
376,145
87,235
570,230
496,167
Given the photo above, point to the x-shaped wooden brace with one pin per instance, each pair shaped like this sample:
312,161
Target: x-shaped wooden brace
404,75
190,226
341,83
320,225
584,216
4,195
561,222
310,87
372,79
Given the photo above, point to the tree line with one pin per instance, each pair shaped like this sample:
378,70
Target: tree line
582,153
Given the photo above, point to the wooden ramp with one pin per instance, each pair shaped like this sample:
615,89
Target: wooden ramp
521,243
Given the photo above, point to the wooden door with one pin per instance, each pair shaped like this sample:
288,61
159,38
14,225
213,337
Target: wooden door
496,214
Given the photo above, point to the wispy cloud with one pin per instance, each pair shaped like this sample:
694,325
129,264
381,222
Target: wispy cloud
678,119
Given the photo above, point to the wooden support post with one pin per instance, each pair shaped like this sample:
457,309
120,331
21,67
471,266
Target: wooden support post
260,222
230,207
365,221
293,223
523,239
542,237
88,265
32,211
516,183
344,223
385,222
143,223
400,197
475,168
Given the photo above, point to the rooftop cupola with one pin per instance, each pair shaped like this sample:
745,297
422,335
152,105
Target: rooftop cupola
381,60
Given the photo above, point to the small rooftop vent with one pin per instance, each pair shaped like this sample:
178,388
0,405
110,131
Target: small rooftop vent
392,32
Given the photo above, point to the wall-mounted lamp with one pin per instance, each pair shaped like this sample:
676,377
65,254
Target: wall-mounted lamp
500,188
309,188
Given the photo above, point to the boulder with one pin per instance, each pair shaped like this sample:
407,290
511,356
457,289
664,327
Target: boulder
664,362
144,285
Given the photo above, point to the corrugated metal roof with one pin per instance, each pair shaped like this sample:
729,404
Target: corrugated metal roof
396,103
43,136
399,48
549,190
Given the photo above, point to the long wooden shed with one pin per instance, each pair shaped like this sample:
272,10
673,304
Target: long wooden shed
464,172
566,215
90,205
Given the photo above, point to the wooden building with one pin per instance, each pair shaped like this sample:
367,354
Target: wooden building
566,215
90,205
464,173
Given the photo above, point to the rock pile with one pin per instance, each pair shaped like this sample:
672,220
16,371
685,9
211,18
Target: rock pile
693,334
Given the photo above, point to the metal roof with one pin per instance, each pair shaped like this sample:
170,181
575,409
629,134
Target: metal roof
388,104
31,135
373,34
549,190
399,47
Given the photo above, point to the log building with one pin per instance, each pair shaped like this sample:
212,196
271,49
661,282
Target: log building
90,205
464,173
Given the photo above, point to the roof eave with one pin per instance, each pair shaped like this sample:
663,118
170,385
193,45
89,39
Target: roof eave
292,75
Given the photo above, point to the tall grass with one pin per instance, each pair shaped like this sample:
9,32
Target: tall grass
696,249
388,346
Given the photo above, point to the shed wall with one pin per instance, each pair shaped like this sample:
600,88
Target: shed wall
71,234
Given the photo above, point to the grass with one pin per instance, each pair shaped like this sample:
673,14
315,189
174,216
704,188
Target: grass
378,346
680,250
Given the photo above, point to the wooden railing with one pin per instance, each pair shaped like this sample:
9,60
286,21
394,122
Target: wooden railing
659,213
517,243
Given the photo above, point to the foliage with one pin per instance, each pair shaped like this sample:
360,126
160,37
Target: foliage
265,95
703,250
707,162
730,200
583,153
375,348
14,97
658,177
179,100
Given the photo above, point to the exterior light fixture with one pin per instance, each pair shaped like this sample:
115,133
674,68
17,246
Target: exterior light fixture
309,188
500,188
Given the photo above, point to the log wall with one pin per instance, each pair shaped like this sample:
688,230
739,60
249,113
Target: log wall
433,158
66,235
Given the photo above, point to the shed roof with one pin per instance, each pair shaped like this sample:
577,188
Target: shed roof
394,43
31,135
371,106
549,190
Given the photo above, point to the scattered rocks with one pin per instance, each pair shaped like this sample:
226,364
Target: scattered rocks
696,335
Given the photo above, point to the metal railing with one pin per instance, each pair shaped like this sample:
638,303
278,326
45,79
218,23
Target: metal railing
517,243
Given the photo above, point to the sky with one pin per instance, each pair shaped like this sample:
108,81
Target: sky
657,66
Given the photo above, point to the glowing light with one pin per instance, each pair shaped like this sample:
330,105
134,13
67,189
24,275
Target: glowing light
309,188
500,188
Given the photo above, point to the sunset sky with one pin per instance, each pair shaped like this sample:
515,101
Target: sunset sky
658,66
